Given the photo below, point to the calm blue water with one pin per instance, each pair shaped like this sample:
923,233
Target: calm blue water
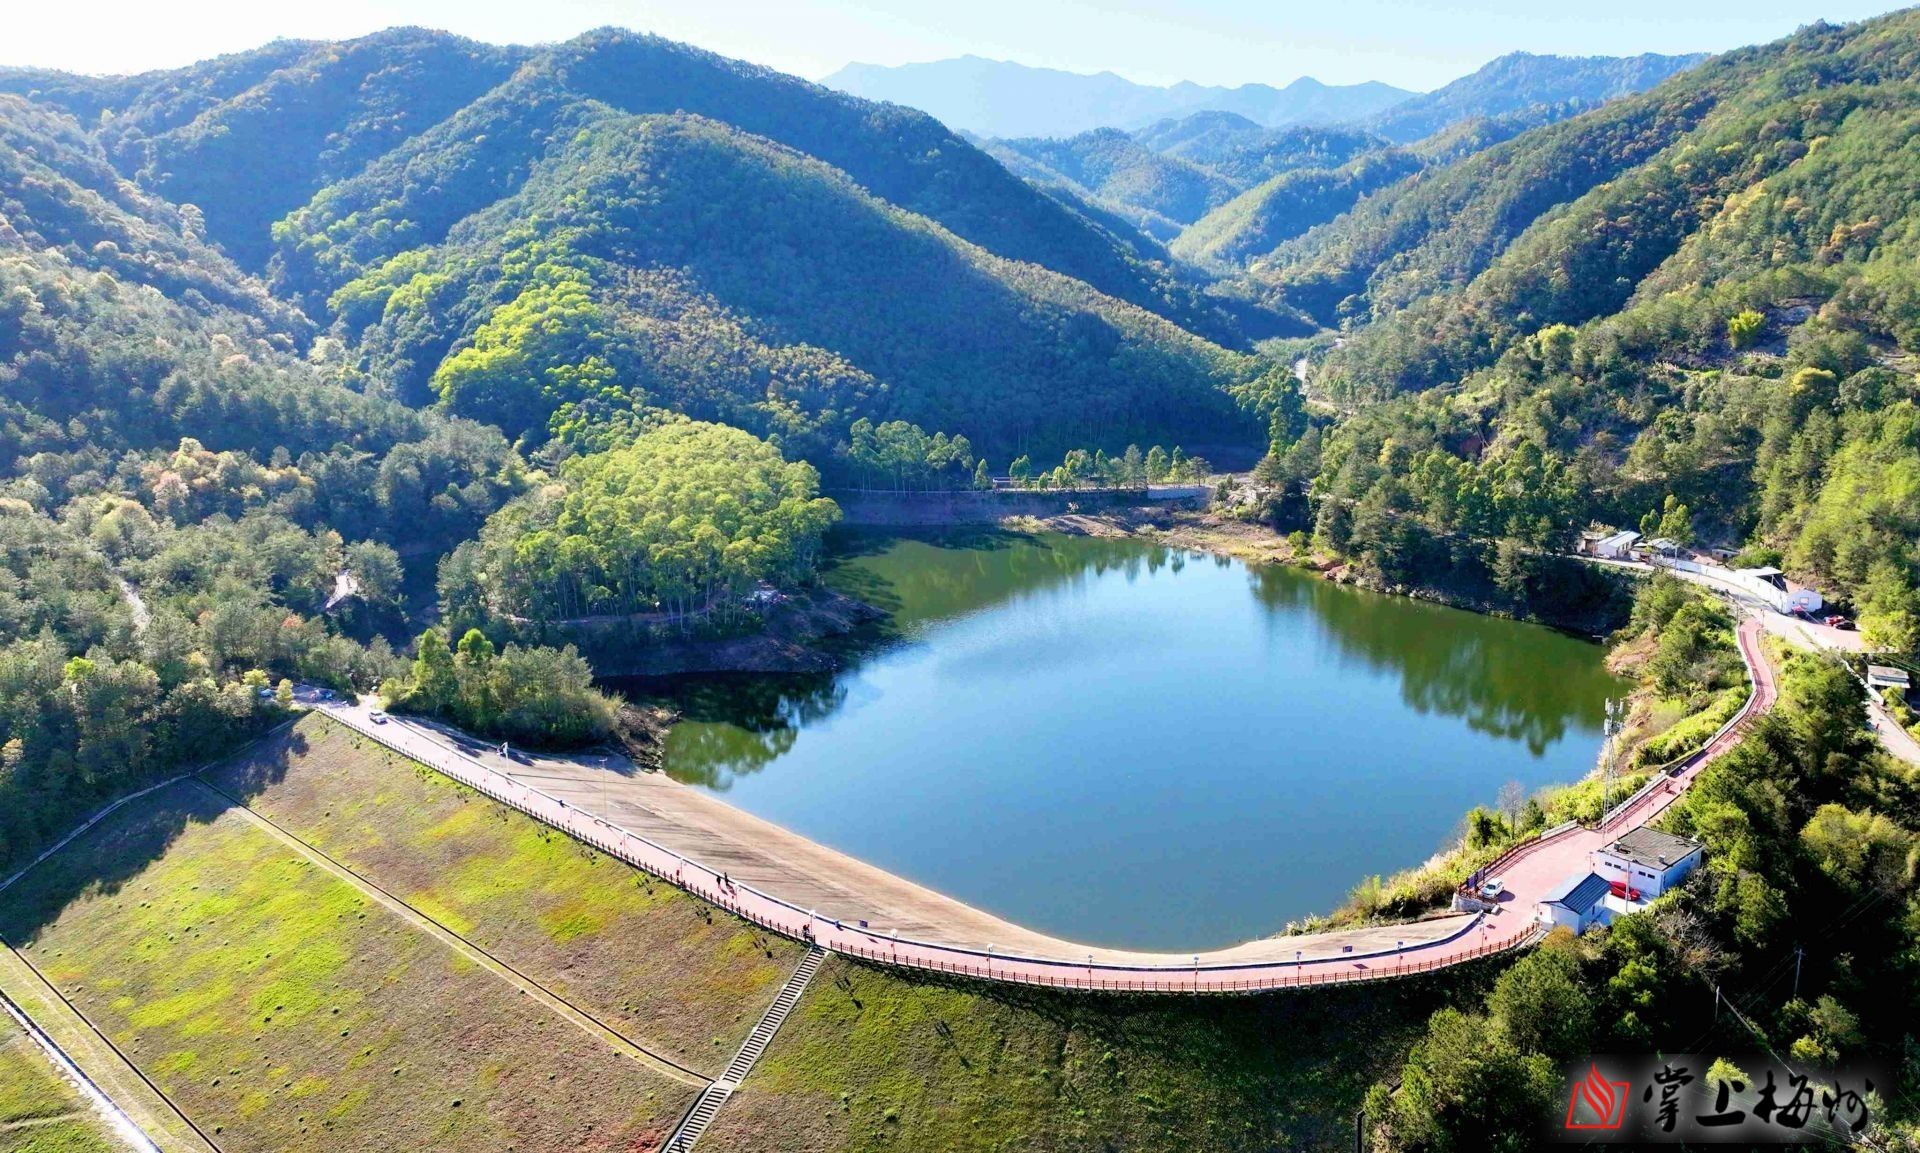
1133,746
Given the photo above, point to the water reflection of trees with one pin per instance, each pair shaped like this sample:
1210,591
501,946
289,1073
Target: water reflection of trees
920,578
1512,682
736,725
1502,679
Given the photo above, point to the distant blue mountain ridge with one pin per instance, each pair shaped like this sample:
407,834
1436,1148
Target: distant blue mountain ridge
998,98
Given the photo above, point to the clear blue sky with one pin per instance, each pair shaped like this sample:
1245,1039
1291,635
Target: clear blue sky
1406,42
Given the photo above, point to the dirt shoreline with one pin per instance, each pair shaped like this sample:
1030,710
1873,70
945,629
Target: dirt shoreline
1211,532
794,640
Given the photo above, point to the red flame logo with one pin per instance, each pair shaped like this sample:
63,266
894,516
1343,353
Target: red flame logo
1597,1103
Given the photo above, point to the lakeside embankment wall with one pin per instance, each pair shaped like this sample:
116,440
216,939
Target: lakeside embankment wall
872,507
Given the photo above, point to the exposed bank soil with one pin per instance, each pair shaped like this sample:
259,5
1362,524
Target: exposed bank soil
1255,543
642,733
1200,531
793,640
969,507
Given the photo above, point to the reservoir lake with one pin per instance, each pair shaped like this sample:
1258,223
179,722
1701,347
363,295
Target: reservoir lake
1126,744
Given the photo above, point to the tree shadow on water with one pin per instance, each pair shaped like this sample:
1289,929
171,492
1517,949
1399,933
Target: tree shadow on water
741,723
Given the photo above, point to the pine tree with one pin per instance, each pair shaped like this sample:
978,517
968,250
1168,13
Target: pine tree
1271,472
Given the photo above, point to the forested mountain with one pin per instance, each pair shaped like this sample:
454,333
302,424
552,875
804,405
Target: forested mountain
1169,175
1479,133
414,194
1301,196
1281,181
1304,101
1247,153
248,138
1158,194
1521,80
1001,98
377,145
1221,189
1511,95
677,262
58,189
1445,226
1202,137
1258,220
180,491
1697,303
1564,223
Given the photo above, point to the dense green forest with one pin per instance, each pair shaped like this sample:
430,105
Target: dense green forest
1221,190
1157,193
322,111
1164,178
388,361
677,262
526,694
1244,153
1700,294
1255,222
419,191
683,521
188,475
1805,919
1520,81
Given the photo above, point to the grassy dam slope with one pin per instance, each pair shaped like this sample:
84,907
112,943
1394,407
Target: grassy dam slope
321,945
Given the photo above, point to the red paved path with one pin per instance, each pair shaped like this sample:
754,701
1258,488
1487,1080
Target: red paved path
1533,870
1529,871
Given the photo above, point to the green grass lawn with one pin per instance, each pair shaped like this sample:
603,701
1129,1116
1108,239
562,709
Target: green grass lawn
39,1111
283,1010
871,1061
280,1006
666,969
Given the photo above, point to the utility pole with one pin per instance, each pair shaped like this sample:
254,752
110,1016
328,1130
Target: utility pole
1615,723
1798,954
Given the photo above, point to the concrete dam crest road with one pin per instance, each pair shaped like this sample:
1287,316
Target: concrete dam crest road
806,891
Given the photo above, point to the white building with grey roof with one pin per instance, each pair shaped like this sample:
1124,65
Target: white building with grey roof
1647,862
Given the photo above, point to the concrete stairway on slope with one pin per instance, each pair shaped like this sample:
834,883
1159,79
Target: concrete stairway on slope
707,1105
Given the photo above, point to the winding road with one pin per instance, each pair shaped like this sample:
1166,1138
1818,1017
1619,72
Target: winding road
806,891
